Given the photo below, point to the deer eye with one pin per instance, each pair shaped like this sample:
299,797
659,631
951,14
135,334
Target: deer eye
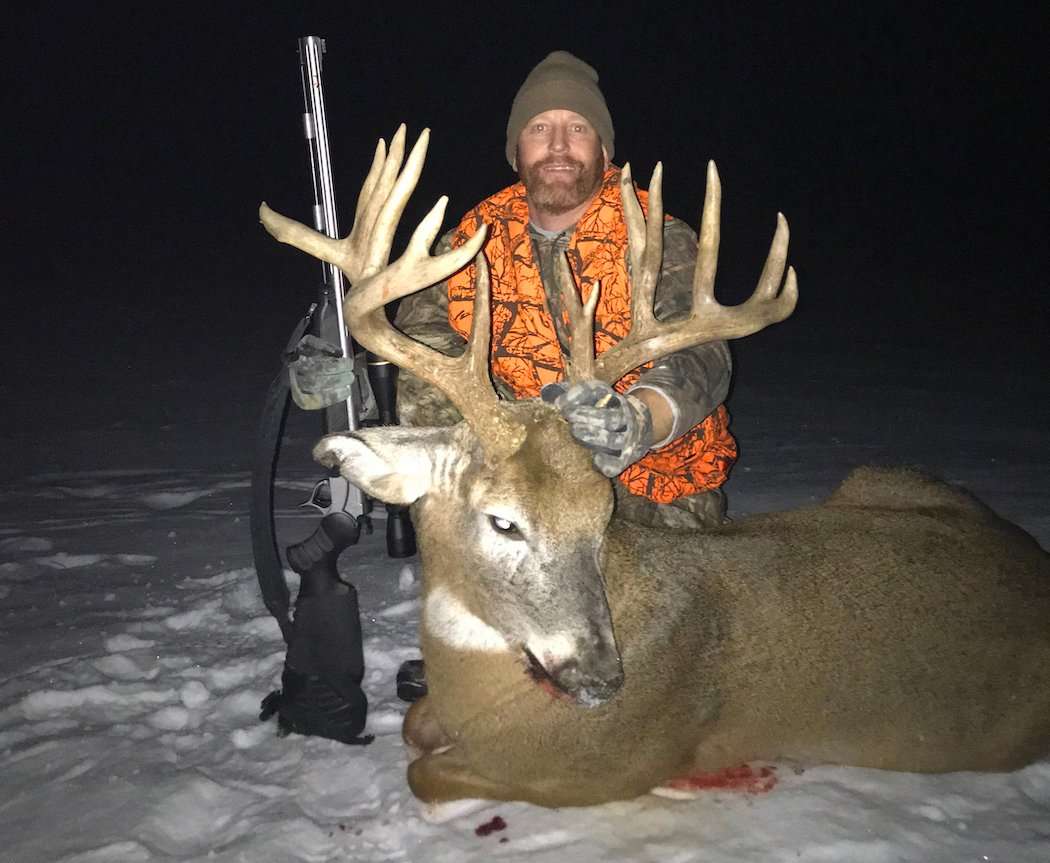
505,526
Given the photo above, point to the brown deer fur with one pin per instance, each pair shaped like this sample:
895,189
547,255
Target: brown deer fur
900,625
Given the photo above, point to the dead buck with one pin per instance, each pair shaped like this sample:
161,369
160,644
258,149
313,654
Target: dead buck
574,658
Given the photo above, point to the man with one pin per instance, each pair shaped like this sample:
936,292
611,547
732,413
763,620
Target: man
664,432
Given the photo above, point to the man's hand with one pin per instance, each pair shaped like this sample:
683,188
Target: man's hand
617,427
319,374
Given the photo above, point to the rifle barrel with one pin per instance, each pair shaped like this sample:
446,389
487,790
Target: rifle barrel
345,416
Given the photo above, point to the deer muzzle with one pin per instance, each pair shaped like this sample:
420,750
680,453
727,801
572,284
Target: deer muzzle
589,685
590,672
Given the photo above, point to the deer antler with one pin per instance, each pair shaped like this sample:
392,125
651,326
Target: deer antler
363,257
708,320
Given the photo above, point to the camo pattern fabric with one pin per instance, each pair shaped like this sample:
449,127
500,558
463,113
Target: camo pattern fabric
526,350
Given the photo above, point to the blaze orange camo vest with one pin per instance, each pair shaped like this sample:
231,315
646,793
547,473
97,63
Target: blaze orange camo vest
525,350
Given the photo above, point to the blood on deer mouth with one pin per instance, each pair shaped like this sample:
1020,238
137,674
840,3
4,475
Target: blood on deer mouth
535,669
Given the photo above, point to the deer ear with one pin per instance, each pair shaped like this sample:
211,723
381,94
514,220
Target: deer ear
394,465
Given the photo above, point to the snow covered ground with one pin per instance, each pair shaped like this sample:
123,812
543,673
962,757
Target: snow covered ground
135,649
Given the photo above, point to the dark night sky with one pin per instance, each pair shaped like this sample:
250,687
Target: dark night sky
906,145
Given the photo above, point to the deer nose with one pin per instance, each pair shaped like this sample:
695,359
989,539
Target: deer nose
589,685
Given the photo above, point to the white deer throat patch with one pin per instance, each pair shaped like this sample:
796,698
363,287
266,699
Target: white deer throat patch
448,620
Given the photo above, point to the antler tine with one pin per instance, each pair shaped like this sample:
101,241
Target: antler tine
391,196
710,237
368,187
296,234
645,241
579,364
500,434
773,270
709,320
475,359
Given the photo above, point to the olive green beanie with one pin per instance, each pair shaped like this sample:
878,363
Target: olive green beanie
562,81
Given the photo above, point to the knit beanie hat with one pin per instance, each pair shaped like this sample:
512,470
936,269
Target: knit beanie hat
562,81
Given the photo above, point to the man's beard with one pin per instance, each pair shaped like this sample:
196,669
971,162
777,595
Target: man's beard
557,197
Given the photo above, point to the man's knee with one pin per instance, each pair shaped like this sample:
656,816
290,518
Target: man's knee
708,508
695,512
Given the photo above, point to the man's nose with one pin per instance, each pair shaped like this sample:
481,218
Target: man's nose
559,139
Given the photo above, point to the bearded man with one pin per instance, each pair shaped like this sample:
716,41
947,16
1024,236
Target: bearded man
662,432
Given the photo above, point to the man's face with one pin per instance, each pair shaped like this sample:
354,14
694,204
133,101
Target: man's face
561,161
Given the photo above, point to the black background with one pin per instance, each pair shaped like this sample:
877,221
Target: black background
906,145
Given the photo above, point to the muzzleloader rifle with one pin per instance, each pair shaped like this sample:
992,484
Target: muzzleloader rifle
321,683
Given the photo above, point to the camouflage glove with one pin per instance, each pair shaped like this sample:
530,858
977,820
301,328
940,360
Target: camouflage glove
318,373
617,427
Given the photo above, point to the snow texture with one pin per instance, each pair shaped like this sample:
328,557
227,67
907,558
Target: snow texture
136,650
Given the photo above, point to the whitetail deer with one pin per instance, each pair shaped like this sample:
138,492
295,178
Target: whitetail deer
574,658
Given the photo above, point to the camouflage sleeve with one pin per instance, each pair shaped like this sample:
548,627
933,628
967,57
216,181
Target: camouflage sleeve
424,317
424,314
695,381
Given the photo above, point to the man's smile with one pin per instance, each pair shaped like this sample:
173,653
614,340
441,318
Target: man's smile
560,169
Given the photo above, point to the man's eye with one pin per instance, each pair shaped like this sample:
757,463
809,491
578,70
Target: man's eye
505,526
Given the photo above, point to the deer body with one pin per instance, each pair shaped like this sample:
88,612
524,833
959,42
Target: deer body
899,625
573,657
